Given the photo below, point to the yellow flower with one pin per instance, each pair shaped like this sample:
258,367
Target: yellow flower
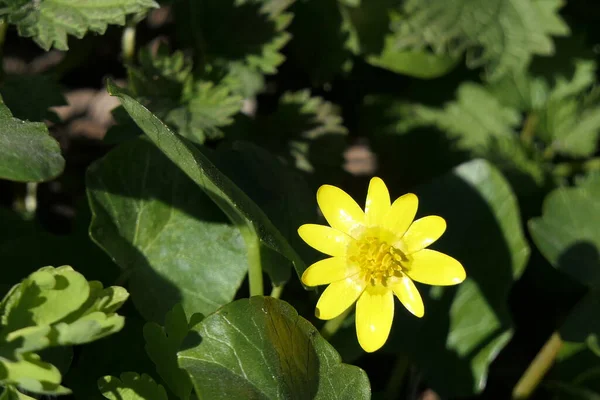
375,254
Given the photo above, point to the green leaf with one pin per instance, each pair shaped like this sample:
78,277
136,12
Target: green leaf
29,97
261,348
162,345
503,35
27,152
255,42
244,213
567,235
194,108
420,64
131,386
10,393
164,231
50,21
466,326
32,374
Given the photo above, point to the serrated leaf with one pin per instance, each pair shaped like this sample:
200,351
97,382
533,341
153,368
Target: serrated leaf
261,348
29,97
255,42
162,345
567,235
27,152
465,327
245,214
503,35
50,21
161,228
131,386
196,109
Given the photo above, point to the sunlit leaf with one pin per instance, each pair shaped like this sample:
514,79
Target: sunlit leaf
131,386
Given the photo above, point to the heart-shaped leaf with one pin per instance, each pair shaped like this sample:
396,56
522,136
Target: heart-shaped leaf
261,348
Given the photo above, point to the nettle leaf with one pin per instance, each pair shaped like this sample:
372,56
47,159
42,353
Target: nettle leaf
501,34
194,108
131,386
162,345
164,231
261,348
373,33
466,326
29,97
567,235
50,21
306,131
27,152
255,42
255,226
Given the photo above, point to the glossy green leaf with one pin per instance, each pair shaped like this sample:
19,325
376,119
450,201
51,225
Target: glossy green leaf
175,245
261,348
466,326
245,214
162,345
131,386
27,152
49,22
567,235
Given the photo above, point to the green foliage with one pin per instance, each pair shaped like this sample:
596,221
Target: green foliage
131,386
140,222
568,237
162,345
50,21
27,152
52,307
503,34
261,347
243,212
232,114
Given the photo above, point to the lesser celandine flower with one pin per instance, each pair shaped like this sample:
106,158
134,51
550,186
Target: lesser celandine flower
376,254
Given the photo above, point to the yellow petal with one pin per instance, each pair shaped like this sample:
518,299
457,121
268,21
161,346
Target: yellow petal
435,268
339,296
401,214
378,202
325,239
423,232
374,316
409,296
328,270
340,210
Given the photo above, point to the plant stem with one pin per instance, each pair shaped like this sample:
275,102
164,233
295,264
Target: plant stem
255,278
30,200
276,291
392,390
528,131
332,326
128,44
538,368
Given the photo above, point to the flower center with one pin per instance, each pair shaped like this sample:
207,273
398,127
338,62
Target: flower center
377,260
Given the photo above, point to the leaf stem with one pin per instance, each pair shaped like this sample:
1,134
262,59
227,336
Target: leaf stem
128,44
255,278
332,326
538,368
277,290
392,390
